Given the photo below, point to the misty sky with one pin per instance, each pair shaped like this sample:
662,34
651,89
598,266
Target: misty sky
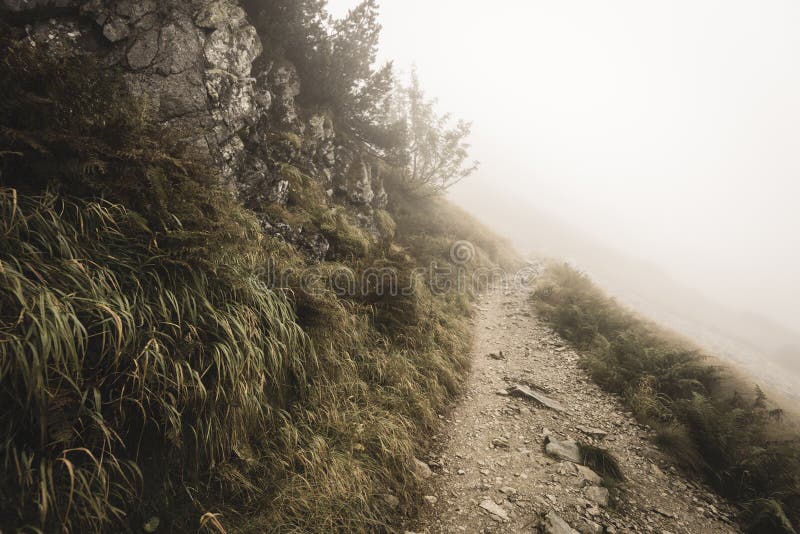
669,130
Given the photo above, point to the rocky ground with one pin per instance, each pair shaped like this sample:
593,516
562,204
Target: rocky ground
490,471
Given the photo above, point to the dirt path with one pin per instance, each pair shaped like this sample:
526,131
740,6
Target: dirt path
491,472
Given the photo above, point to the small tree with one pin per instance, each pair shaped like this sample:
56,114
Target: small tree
336,61
437,153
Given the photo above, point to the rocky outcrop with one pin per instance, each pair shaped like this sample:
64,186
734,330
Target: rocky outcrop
197,65
190,63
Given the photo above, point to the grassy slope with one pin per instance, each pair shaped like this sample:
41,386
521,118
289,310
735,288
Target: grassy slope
708,419
149,367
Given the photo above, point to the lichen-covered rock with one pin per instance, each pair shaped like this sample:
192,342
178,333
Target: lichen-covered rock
232,49
285,87
359,180
189,61
314,245
219,14
191,64
320,146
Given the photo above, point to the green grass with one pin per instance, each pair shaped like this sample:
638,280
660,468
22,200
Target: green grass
712,422
115,354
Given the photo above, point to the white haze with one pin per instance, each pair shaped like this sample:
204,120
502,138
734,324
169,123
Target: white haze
667,130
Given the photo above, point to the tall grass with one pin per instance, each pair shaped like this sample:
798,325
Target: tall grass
713,423
113,353
150,368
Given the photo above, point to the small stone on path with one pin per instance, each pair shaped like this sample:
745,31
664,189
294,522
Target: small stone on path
494,509
563,450
553,524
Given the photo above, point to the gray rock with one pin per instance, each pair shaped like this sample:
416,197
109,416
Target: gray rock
190,64
421,469
587,526
587,475
143,51
116,29
233,101
656,471
285,87
219,13
500,443
232,49
181,95
24,5
553,524
496,511
664,513
563,450
522,391
508,490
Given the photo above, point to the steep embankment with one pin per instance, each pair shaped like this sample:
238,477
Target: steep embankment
213,315
492,473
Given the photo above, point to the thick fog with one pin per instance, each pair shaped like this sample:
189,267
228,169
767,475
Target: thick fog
666,131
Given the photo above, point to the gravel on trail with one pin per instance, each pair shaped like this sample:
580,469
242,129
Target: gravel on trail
490,471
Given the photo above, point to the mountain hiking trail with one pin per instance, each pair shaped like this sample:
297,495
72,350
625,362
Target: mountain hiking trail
489,471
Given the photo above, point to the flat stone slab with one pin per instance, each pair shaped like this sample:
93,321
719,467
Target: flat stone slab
524,392
563,450
553,524
494,509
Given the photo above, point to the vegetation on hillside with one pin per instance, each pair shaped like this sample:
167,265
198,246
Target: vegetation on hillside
711,422
336,62
152,366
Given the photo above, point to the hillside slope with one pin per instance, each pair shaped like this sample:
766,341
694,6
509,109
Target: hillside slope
218,310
